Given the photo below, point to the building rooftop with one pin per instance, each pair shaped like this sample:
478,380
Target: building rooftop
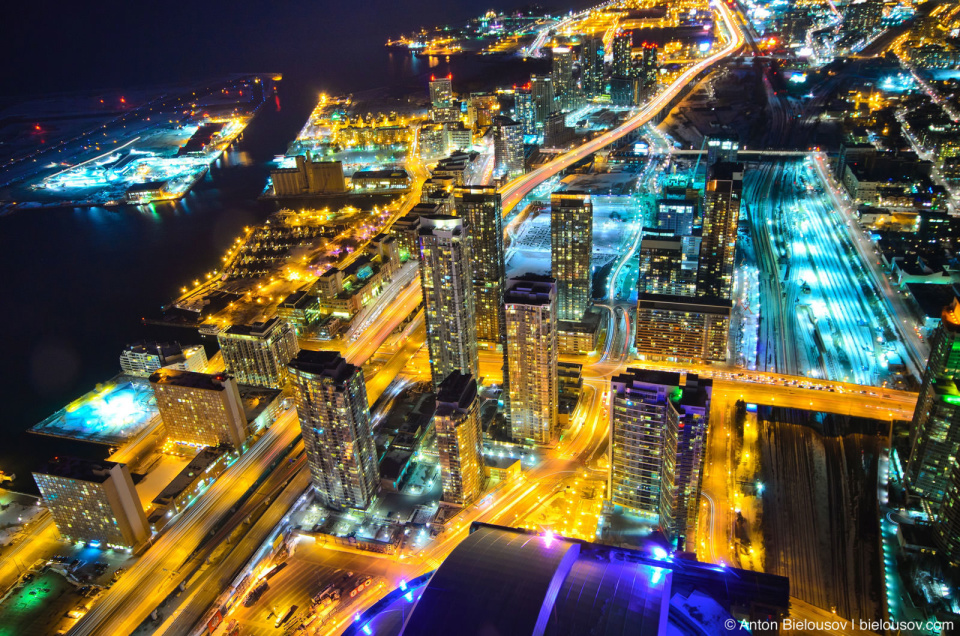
149,186
685,303
456,391
112,413
324,363
726,171
932,298
502,463
422,209
163,349
256,399
589,324
190,379
79,469
442,223
394,463
197,466
295,299
530,289
256,329
692,390
381,174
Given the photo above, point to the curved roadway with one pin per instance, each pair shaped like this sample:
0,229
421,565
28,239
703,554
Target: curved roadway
514,191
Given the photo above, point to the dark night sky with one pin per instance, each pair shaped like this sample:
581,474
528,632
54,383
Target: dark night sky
52,46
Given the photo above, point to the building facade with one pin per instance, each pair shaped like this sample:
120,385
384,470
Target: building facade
308,176
682,329
571,250
93,501
935,430
143,358
946,527
441,91
664,268
531,310
721,214
591,66
544,97
480,208
525,111
446,278
623,55
258,354
507,147
643,446
199,408
657,432
722,148
331,400
562,74
459,439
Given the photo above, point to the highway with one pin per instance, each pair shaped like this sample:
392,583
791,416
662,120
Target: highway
514,191
128,602
205,587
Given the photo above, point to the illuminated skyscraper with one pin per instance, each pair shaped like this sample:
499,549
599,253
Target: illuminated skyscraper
507,147
658,425
649,69
562,74
677,211
532,357
200,408
480,208
258,354
459,439
571,248
443,108
935,431
623,55
331,400
544,97
721,214
591,66
441,92
526,111
946,527
694,412
93,501
664,268
446,278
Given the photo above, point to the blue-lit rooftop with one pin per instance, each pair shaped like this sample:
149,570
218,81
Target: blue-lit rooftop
110,414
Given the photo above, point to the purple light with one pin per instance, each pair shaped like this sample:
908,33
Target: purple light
548,538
